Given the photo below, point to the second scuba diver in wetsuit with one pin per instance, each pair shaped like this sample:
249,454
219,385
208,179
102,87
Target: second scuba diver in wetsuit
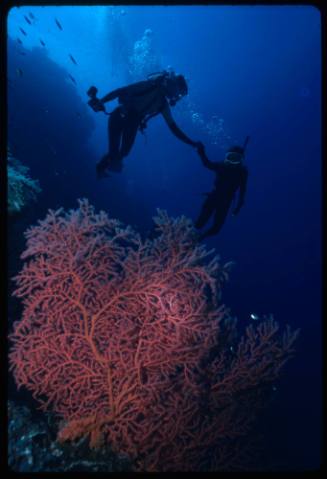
138,103
231,176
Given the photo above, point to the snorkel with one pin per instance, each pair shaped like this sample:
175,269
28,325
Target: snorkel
247,139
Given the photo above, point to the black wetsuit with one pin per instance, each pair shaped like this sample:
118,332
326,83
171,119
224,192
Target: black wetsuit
229,179
138,103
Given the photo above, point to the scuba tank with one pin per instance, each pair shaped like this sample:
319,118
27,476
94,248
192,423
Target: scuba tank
159,76
156,78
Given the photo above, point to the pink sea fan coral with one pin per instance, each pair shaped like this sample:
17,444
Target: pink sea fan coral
125,339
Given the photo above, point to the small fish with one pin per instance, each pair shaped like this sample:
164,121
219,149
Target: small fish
19,72
254,316
28,20
42,42
72,78
72,59
22,53
31,16
58,24
23,31
19,41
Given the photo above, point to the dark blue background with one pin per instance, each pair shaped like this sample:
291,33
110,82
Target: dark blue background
259,69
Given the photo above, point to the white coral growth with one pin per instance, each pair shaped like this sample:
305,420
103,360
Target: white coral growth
21,188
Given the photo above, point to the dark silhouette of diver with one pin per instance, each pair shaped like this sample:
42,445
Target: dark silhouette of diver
231,175
138,103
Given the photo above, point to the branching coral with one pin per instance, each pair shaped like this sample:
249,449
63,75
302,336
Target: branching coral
21,188
126,340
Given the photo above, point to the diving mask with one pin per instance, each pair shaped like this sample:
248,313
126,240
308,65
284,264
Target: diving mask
176,88
233,157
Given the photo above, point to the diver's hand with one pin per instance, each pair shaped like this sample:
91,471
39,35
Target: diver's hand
198,144
96,104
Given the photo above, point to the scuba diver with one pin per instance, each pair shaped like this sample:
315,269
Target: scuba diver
231,176
138,103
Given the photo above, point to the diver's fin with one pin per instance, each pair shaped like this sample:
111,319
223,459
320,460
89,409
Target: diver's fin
101,167
115,165
102,175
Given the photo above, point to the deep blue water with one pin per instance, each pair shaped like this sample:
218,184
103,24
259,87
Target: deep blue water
253,68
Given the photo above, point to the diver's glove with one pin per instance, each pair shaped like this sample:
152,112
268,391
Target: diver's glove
197,145
201,151
96,104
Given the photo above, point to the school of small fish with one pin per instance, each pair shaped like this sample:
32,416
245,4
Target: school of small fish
30,20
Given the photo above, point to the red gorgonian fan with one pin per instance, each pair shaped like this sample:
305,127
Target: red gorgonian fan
127,341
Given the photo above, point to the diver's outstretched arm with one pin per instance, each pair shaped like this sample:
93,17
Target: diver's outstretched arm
112,95
166,113
211,165
181,136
